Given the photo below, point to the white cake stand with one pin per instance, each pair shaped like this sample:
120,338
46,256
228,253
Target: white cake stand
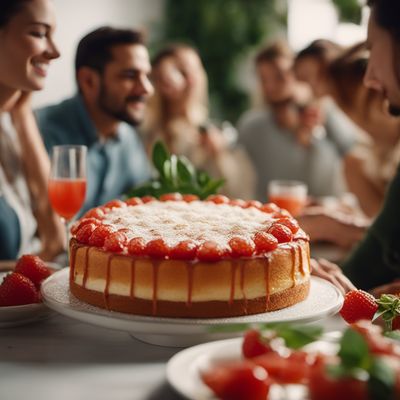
324,300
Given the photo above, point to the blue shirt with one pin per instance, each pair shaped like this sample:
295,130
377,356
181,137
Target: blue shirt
113,165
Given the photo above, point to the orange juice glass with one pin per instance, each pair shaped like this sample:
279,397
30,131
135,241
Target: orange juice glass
288,194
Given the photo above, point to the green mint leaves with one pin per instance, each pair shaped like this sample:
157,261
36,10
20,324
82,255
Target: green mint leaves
176,174
357,362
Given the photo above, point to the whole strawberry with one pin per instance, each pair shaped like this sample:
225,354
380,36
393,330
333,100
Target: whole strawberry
16,289
33,267
358,305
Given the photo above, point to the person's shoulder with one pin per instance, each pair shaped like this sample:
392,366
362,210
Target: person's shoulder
59,111
253,121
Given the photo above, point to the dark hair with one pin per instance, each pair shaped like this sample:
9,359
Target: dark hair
274,51
94,49
322,49
8,8
387,15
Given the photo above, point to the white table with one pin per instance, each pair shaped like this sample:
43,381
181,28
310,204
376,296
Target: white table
64,359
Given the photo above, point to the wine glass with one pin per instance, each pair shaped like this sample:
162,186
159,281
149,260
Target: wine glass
67,183
288,194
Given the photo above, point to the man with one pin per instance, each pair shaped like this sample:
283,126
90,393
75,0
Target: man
112,73
289,139
376,260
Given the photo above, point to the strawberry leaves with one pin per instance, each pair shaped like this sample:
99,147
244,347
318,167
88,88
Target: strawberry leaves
176,174
388,309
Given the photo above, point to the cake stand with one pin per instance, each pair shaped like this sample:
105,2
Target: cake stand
324,300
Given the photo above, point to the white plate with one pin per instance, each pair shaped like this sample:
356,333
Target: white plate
20,315
183,369
324,300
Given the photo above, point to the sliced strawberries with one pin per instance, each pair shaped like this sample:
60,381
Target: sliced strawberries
185,250
188,198
16,289
171,197
241,247
282,233
33,267
291,223
157,248
265,242
99,235
97,213
115,204
137,246
210,251
253,203
254,345
115,242
218,199
358,305
134,201
84,233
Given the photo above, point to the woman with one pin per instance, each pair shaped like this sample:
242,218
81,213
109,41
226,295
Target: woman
26,49
178,115
338,73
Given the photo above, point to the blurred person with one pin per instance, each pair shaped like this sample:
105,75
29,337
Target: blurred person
376,260
293,137
112,72
338,73
27,222
178,115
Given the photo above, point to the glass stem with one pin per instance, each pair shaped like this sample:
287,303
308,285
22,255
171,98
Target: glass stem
66,222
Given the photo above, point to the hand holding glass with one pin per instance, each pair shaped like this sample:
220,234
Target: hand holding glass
287,194
67,183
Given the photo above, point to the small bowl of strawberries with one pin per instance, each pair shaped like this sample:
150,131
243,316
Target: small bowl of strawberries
20,298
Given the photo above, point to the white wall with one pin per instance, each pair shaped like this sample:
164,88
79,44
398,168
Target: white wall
75,18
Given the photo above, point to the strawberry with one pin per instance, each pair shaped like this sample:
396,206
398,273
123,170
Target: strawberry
171,197
269,208
241,247
218,199
254,345
99,235
157,248
185,250
84,233
134,201
291,223
115,242
253,203
136,246
210,251
358,305
190,197
16,289
148,199
265,242
33,267
281,232
238,203
115,204
97,213
82,222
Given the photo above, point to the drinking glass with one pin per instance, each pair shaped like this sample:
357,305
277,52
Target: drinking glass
288,194
67,183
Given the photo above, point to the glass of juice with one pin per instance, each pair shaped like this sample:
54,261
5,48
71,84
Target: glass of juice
67,183
288,194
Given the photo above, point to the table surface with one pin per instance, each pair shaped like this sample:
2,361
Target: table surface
64,359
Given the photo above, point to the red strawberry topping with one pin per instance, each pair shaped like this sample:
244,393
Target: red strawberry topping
97,213
265,242
99,235
16,289
33,267
291,223
115,242
157,248
84,233
210,251
218,199
358,305
171,197
281,232
241,247
134,201
185,250
190,197
115,204
136,247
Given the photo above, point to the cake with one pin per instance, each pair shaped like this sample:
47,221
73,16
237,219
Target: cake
182,257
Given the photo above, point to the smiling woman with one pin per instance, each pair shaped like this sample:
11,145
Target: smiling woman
26,49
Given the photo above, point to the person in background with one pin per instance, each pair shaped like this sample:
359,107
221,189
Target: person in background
338,73
27,222
292,136
112,72
178,115
376,260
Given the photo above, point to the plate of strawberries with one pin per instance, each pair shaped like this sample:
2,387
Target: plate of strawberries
20,297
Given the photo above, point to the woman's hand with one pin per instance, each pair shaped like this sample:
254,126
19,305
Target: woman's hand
332,273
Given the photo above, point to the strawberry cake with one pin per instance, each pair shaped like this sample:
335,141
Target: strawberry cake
182,257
